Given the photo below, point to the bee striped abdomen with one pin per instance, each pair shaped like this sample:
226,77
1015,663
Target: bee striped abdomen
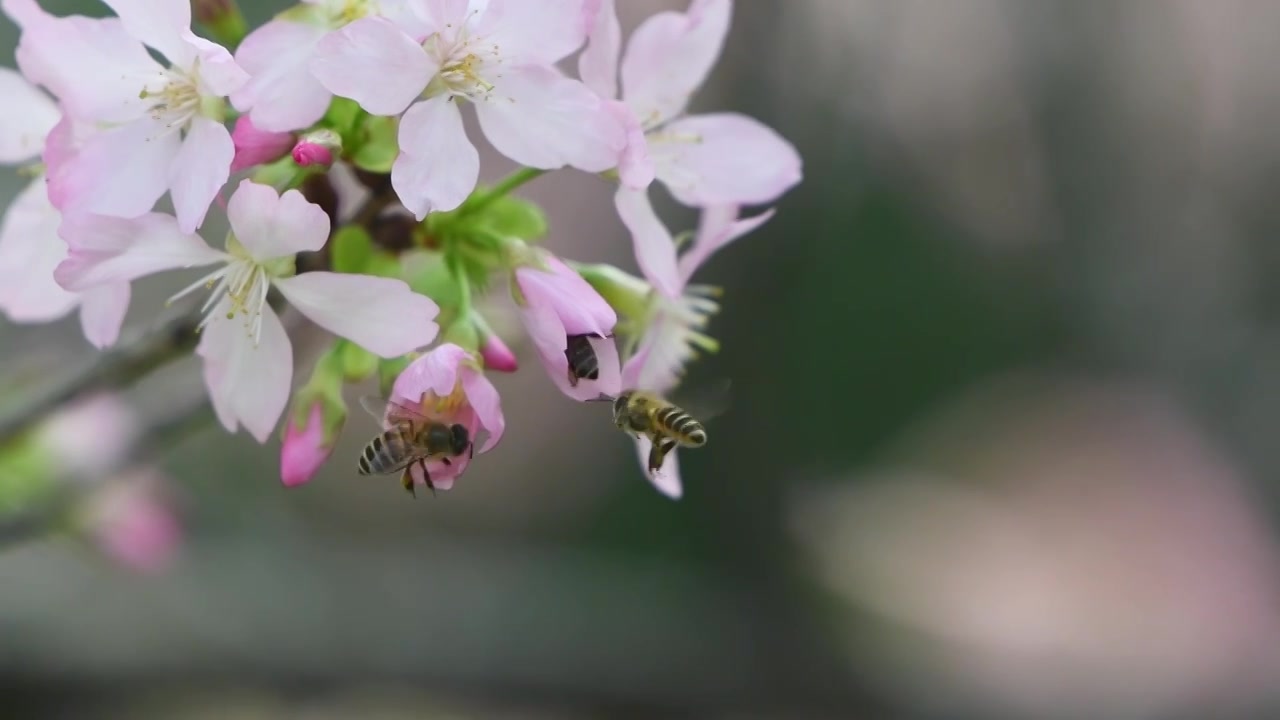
384,453
682,426
583,362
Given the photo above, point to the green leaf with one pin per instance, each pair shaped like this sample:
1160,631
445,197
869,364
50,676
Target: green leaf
352,249
357,363
514,217
376,148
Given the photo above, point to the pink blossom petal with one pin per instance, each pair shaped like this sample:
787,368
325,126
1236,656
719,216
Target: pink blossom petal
374,63
102,311
435,372
728,159
26,117
94,67
541,32
425,17
438,166
577,305
598,63
248,385
654,246
669,57
219,74
23,12
120,172
281,94
660,359
30,249
635,167
718,226
255,146
199,171
665,478
271,226
158,24
108,250
542,119
380,314
487,404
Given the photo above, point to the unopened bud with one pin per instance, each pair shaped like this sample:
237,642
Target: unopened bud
317,148
257,147
497,356
306,448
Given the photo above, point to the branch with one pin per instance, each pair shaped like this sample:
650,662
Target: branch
117,368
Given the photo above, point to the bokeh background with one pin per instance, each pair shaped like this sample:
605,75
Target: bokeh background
1001,442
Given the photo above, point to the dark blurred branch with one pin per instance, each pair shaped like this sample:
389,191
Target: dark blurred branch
117,368
159,436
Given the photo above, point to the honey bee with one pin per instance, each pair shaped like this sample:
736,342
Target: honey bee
413,439
667,425
583,363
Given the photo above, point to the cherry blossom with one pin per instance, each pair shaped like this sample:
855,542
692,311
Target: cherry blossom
447,385
281,93
675,323
248,365
30,247
558,306
703,160
160,126
500,56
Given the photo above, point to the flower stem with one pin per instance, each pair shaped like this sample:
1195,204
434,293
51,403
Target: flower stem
480,201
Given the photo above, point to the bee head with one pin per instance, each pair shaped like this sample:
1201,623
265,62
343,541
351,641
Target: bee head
620,404
459,438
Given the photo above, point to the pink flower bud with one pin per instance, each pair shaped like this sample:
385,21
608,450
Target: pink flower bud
256,147
497,356
304,449
317,148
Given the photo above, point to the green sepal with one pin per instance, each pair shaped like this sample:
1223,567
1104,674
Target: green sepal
324,387
463,333
281,174
375,146
389,370
627,294
427,274
344,117
357,363
384,264
352,249
510,216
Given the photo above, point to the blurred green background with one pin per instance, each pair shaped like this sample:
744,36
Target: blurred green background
1001,441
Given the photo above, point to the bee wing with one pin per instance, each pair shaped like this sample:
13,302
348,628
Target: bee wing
707,402
389,410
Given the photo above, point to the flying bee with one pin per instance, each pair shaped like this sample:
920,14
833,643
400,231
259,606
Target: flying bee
667,425
583,363
412,439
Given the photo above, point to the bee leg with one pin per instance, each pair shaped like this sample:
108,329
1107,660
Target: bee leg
427,475
573,379
406,480
658,454
471,450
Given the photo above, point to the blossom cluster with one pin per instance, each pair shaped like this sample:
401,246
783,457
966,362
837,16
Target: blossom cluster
364,99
